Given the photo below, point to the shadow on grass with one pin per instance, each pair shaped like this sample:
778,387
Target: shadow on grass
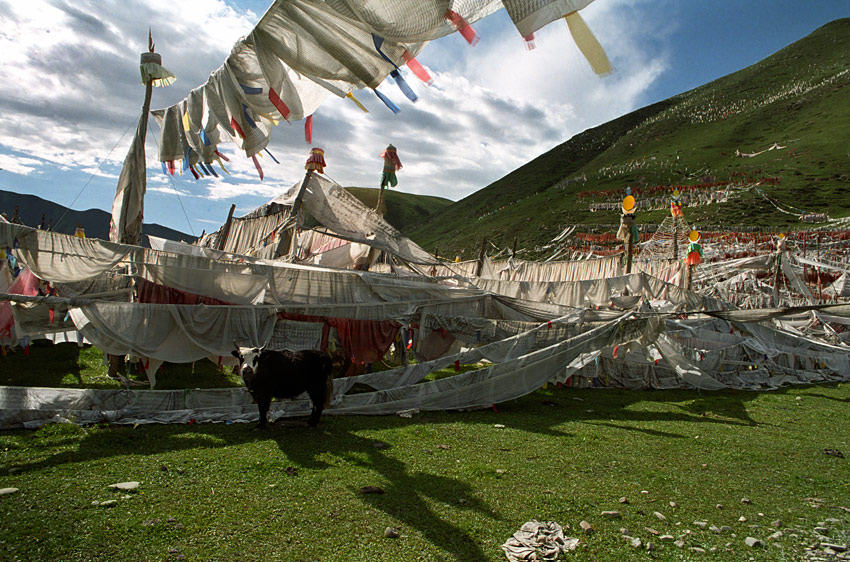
405,498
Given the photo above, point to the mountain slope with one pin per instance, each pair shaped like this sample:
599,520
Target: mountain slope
790,113
64,220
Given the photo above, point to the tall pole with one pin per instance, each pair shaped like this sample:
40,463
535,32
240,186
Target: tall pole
293,212
481,257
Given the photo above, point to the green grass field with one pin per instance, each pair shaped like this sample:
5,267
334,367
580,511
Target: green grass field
454,484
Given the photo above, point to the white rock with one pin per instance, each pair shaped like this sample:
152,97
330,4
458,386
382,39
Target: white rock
499,426
636,543
126,486
674,504
7,491
665,538
680,543
742,519
612,515
775,536
697,549
701,524
660,516
586,527
109,503
753,542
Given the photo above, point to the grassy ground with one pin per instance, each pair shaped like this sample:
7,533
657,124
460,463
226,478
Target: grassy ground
456,485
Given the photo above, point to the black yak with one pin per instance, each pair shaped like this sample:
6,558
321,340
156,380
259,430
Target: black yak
286,374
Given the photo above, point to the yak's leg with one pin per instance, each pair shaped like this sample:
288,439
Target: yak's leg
263,403
317,397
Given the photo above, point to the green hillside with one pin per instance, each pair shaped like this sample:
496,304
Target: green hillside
405,211
791,112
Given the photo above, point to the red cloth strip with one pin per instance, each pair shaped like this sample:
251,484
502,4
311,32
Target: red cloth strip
257,165
417,69
236,127
462,26
278,103
308,129
222,156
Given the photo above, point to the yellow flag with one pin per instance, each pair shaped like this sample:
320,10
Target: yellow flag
588,45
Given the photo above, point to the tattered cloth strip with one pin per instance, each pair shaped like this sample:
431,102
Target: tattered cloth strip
538,541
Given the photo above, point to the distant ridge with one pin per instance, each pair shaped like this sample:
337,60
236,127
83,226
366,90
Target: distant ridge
777,131
94,221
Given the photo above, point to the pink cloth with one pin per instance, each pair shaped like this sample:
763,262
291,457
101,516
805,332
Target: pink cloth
25,284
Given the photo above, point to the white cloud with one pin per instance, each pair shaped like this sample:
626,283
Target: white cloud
20,165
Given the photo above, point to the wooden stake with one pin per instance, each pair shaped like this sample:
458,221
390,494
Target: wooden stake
225,230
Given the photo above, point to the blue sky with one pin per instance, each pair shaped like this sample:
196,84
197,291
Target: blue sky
72,95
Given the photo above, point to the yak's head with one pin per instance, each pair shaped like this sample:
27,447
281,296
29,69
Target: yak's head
249,359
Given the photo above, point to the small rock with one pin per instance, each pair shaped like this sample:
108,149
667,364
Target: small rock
7,491
644,491
665,538
371,490
835,547
650,530
499,426
391,533
775,536
660,516
725,528
151,522
586,527
753,542
650,547
697,549
746,501
713,549
125,486
701,524
680,543
95,503
761,514
173,551
776,524
674,504
719,506
109,503
624,531
171,520
636,543
799,399
821,530
742,519
444,447
612,515
714,529
624,500
500,471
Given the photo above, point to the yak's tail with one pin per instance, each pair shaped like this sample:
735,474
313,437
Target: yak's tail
329,382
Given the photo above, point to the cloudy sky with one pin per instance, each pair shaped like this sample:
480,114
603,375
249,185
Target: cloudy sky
71,95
